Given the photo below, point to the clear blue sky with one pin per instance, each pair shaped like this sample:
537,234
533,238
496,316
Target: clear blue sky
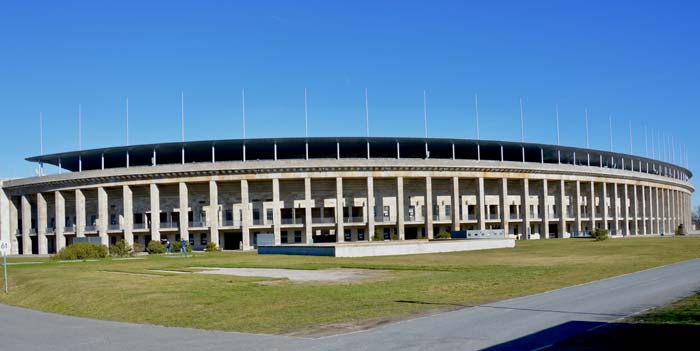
637,61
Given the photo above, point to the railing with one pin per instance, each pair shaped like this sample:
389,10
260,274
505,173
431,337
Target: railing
493,217
353,220
324,220
197,224
114,227
382,219
441,218
260,221
138,226
90,228
230,223
69,229
292,220
515,216
49,230
553,214
570,214
169,225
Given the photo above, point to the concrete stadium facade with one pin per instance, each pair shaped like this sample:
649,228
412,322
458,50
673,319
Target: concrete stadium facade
399,188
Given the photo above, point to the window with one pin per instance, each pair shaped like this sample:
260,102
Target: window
113,219
256,214
202,239
93,219
348,235
297,236
268,214
386,211
283,237
448,210
361,234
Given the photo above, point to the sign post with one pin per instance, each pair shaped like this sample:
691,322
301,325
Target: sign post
4,251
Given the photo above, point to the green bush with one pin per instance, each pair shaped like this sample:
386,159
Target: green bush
120,249
377,236
136,247
599,234
176,247
394,236
155,247
211,246
81,251
444,235
679,231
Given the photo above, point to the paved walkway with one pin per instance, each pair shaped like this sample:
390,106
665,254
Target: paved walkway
518,324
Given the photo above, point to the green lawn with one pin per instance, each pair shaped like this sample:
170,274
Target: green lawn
417,284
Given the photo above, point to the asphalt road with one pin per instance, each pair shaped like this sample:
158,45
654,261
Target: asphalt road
524,323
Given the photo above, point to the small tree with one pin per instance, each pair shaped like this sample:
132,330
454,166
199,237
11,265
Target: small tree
599,234
377,235
120,249
211,246
155,247
136,248
444,235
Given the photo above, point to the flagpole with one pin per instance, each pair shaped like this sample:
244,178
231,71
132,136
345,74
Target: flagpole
611,133
425,122
557,115
630,137
478,133
646,142
522,122
588,145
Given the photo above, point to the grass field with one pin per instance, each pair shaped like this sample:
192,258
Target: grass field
418,284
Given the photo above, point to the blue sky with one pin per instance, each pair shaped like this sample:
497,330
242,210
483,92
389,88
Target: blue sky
635,61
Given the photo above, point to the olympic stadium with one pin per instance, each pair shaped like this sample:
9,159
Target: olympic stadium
338,189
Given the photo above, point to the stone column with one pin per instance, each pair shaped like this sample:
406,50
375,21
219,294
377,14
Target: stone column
563,212
455,204
525,208
664,211
635,211
26,226
505,211
653,211
340,228
307,211
545,209
644,211
659,215
604,205
214,212
184,205
60,213
591,206
14,219
277,213
128,205
614,205
102,214
480,199
399,208
79,213
5,232
41,223
370,208
155,213
429,207
578,207
245,213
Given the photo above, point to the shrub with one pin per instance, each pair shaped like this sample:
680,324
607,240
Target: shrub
136,248
176,247
394,236
211,246
444,235
155,247
679,231
377,236
599,234
120,249
81,251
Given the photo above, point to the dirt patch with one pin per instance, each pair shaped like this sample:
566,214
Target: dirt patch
335,275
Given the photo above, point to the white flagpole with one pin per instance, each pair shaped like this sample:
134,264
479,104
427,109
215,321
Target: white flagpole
611,133
127,121
41,133
673,150
588,144
80,128
476,107
182,116
653,148
306,115
366,112
425,115
557,114
646,142
243,107
630,137
522,122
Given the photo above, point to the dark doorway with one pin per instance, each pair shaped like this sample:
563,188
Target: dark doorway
553,230
324,237
411,233
232,241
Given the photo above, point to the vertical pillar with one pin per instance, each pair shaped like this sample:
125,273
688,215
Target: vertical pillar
663,211
563,212
79,213
577,203
277,212
604,205
41,224
653,212
657,219
307,211
455,204
480,195
505,211
214,212
155,213
591,205
245,215
614,205
14,245
184,205
102,214
644,210
340,228
26,226
60,215
634,207
128,208
545,209
429,207
525,208
399,208
370,208
5,232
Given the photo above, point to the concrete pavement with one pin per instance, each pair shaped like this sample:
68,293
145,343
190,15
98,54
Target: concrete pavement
524,323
